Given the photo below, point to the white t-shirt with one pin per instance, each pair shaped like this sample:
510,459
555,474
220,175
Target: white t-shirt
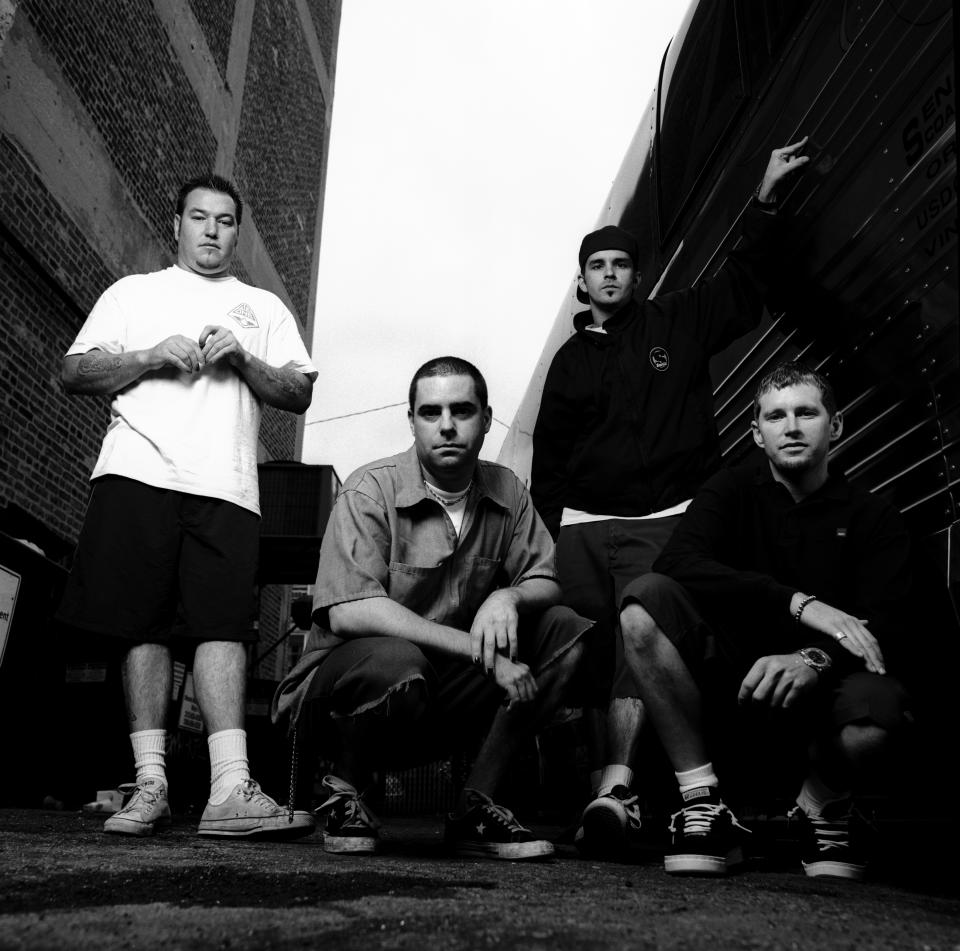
198,432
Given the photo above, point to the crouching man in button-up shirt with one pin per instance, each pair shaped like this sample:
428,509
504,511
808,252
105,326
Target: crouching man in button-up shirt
437,623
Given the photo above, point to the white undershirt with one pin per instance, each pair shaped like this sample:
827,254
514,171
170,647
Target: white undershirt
576,517
455,510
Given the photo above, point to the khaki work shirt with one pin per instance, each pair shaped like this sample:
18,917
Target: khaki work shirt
388,537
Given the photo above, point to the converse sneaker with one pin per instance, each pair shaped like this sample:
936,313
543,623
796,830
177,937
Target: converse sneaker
487,830
705,836
146,809
610,824
350,825
249,811
829,842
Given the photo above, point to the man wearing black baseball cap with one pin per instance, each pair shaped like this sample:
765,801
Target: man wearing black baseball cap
625,436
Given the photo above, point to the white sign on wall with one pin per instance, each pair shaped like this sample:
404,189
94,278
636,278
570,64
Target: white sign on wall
9,586
190,717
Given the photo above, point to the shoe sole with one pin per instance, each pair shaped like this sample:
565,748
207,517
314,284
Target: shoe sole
303,824
834,870
350,844
604,831
512,851
122,826
694,864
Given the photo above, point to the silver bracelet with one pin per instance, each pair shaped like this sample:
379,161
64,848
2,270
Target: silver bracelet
803,604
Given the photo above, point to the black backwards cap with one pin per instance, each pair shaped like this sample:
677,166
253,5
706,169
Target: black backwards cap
606,239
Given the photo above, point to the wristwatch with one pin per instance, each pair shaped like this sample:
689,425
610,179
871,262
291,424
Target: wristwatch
817,659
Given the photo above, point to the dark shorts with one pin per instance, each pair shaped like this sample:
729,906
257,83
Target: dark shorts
719,662
595,562
152,564
416,704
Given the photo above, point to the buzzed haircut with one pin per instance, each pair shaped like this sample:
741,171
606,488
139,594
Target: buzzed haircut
214,183
449,366
794,373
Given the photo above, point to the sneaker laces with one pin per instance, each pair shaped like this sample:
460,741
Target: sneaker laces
829,834
132,791
251,792
698,819
355,809
499,814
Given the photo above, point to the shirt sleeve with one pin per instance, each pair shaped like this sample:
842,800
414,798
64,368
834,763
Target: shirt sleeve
104,329
531,550
355,552
729,304
285,346
553,440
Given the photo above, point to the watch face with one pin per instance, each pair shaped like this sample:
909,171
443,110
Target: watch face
816,658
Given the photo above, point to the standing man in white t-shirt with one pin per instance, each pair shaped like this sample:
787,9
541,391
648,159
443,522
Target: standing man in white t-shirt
169,546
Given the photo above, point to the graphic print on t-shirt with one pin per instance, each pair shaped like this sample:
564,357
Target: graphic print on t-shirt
243,314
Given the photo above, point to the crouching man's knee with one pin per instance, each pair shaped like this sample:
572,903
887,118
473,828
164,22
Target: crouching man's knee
640,631
562,648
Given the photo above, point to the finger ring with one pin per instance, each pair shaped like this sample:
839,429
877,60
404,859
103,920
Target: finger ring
839,635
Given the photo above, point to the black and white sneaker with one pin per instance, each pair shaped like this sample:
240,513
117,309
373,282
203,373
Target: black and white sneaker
487,830
350,825
829,842
706,838
610,824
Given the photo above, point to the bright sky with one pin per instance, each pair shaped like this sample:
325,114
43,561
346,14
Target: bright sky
472,147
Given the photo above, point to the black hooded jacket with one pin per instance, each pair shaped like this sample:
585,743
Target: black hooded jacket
626,423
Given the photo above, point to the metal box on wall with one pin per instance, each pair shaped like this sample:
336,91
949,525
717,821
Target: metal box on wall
295,503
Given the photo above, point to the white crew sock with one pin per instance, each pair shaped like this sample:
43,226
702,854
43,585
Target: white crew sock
615,775
815,794
695,778
149,754
228,763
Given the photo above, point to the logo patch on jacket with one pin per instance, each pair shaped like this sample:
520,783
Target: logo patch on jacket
243,314
660,359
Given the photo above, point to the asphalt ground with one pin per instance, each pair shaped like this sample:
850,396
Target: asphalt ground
64,884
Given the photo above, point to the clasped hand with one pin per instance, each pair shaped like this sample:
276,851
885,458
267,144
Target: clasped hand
493,643
215,344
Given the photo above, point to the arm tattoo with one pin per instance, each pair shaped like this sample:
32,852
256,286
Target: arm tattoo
288,385
95,362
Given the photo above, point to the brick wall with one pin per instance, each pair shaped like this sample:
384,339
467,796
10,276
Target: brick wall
47,444
119,63
59,246
326,16
216,20
279,163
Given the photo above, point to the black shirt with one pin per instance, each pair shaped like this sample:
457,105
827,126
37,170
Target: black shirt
626,423
744,548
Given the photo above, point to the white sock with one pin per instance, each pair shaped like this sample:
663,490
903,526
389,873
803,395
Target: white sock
815,794
615,775
695,778
595,776
228,762
149,754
